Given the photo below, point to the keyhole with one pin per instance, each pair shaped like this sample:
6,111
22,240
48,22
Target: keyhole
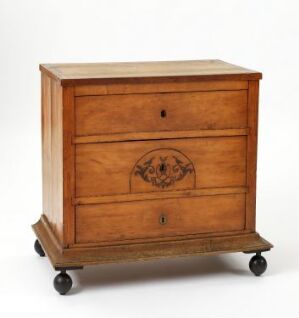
163,219
162,167
163,113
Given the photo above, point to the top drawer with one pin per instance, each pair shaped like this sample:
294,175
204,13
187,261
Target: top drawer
97,115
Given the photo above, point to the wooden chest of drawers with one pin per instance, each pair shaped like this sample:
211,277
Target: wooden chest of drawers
147,160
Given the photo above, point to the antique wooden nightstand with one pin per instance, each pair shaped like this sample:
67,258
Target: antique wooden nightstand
147,160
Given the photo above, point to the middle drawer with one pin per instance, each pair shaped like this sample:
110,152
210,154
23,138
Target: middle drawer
160,165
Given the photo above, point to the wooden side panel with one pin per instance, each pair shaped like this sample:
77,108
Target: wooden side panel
160,112
253,93
69,165
118,168
52,154
46,145
57,154
135,220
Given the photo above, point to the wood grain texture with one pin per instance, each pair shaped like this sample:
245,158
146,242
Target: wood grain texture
160,85
178,134
106,169
132,220
52,154
68,165
97,73
57,156
144,112
118,198
114,163
146,251
253,93
46,143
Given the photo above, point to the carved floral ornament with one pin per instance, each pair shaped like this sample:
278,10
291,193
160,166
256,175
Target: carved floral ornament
163,168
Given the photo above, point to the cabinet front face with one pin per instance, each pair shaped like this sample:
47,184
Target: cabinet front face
152,188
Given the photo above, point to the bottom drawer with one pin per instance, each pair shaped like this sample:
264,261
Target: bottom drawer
159,218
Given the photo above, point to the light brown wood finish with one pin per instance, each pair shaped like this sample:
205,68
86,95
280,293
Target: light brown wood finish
142,252
144,72
158,195
52,154
93,145
160,86
105,169
144,112
46,144
116,222
69,165
253,92
161,135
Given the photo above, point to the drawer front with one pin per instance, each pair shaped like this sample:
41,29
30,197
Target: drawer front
97,115
159,218
163,165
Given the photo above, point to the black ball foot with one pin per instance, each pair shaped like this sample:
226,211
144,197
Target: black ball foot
258,264
63,283
38,248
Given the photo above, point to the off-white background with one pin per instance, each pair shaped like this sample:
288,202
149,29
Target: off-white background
257,34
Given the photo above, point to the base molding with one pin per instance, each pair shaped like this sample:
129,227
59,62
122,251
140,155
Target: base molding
78,256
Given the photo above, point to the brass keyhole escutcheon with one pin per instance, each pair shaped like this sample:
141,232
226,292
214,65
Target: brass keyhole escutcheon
163,219
163,113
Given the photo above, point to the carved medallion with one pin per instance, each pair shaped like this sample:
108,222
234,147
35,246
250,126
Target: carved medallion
164,168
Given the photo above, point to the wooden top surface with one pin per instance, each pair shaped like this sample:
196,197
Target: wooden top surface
92,73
